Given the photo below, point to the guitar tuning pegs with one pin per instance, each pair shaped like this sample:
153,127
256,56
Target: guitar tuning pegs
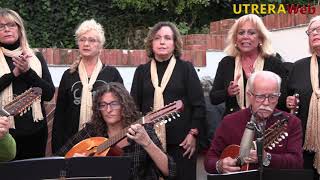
178,115
279,139
277,142
273,145
286,134
169,119
282,136
269,147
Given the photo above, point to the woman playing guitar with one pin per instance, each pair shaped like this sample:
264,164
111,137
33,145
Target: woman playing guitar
113,111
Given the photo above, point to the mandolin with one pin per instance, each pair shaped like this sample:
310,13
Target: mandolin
100,146
295,111
21,103
272,137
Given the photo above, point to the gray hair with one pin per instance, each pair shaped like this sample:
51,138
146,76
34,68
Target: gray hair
89,25
266,75
266,47
314,19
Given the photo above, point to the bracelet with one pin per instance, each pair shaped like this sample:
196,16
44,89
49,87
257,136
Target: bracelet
218,167
194,132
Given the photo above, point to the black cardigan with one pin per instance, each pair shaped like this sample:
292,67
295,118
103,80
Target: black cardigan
25,124
67,113
184,85
225,74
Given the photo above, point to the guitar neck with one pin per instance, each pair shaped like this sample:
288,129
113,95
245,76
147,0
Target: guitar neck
3,112
116,138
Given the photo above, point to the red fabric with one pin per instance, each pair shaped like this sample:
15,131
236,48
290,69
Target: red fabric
230,131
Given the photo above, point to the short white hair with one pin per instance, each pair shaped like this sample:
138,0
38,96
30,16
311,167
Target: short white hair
314,19
89,25
266,75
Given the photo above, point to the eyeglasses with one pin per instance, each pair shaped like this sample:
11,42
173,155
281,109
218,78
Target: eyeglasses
249,32
114,105
8,25
314,30
262,97
90,40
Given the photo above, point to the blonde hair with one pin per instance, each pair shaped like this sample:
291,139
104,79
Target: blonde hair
314,19
265,48
13,16
176,38
83,28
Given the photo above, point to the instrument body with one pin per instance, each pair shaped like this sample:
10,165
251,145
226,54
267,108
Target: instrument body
100,146
271,137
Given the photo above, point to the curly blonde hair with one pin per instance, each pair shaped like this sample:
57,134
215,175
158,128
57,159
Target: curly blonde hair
266,47
83,28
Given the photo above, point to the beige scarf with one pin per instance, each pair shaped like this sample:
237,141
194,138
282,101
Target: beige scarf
6,95
86,95
158,101
258,66
312,141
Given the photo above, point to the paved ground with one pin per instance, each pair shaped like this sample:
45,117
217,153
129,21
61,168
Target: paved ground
201,173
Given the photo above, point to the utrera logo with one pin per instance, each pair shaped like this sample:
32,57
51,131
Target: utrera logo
273,9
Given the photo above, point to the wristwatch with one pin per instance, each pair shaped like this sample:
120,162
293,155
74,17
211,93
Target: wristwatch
266,161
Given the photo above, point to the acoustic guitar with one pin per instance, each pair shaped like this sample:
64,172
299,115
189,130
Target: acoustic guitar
272,137
21,103
100,146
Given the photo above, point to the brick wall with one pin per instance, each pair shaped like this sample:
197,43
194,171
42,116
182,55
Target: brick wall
219,29
117,57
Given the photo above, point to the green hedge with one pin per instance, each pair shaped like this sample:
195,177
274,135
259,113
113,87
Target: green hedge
51,23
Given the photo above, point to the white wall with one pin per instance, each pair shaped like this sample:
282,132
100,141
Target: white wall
127,72
291,43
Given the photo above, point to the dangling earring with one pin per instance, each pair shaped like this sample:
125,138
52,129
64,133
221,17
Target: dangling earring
260,44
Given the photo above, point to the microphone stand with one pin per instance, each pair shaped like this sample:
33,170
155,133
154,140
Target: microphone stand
259,143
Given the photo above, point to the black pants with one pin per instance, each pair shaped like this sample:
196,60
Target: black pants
308,163
31,145
186,168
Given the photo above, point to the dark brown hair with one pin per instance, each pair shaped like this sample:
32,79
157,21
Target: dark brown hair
176,38
129,113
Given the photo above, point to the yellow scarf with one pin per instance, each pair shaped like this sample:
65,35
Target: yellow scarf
6,95
312,139
158,101
258,66
86,95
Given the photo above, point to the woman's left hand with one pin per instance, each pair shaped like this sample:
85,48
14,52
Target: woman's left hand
22,62
137,133
189,144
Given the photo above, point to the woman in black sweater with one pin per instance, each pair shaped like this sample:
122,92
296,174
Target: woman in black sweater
21,69
79,83
249,49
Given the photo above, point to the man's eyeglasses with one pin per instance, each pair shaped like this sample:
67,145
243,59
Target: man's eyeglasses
313,30
262,97
113,105
8,25
90,40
